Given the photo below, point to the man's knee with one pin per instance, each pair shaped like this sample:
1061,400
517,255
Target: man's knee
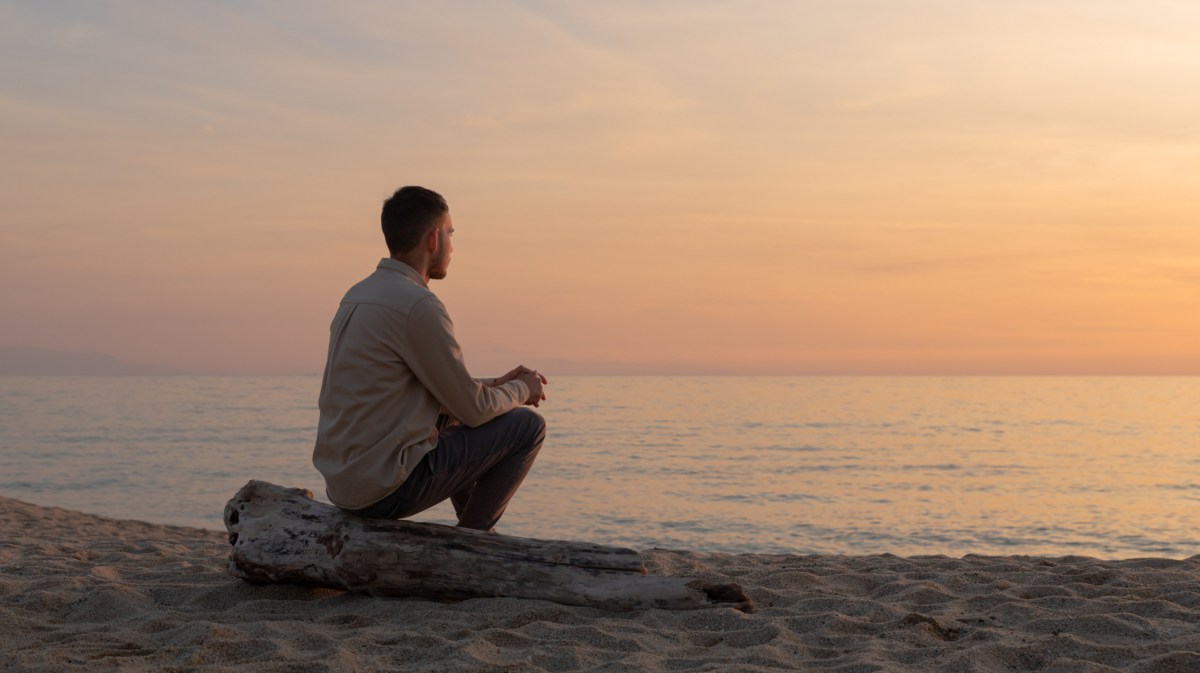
531,421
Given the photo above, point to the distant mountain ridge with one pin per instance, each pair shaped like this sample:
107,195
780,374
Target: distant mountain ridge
28,361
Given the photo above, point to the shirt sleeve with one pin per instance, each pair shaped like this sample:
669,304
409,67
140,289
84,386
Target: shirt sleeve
434,356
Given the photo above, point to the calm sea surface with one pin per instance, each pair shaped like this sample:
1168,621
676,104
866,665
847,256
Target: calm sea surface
1106,467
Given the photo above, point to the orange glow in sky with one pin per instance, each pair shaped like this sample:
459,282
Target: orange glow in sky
737,187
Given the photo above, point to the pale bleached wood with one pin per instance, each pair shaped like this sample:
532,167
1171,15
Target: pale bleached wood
282,535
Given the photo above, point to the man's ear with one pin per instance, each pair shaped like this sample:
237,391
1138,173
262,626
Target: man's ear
432,240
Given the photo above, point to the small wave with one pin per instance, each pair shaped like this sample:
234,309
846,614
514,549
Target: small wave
766,497
941,467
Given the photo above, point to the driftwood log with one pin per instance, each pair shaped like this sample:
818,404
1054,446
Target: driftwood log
282,535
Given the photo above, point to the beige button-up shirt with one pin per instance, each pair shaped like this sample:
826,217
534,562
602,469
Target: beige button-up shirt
393,366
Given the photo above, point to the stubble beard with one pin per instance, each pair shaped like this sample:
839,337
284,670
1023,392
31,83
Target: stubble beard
438,267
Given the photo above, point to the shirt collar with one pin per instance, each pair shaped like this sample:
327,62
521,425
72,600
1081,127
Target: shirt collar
396,265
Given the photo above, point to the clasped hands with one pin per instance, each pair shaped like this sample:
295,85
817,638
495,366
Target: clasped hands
532,379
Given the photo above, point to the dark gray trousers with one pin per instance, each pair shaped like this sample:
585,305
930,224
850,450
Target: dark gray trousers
478,468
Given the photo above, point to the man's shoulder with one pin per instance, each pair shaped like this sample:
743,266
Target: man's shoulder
389,289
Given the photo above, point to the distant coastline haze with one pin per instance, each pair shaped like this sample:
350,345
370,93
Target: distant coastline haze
44,362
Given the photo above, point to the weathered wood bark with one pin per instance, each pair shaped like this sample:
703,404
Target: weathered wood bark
283,535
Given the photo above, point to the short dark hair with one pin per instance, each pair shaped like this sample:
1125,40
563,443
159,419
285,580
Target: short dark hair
408,215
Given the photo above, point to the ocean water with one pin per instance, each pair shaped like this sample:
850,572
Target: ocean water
1106,467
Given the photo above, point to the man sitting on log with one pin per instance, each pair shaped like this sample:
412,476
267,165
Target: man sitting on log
403,425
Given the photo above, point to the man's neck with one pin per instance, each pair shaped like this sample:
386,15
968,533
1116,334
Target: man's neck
417,263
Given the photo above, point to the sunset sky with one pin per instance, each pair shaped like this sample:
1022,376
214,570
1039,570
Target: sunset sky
833,187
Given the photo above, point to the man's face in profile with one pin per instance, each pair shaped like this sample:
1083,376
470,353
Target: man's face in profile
441,260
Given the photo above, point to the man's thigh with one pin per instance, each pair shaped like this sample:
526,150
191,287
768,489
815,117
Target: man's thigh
464,454
461,457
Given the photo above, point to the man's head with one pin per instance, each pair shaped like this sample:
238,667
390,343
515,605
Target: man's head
416,224
408,215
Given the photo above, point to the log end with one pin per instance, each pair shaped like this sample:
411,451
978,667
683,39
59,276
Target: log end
256,489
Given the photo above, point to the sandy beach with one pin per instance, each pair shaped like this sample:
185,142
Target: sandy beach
86,593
